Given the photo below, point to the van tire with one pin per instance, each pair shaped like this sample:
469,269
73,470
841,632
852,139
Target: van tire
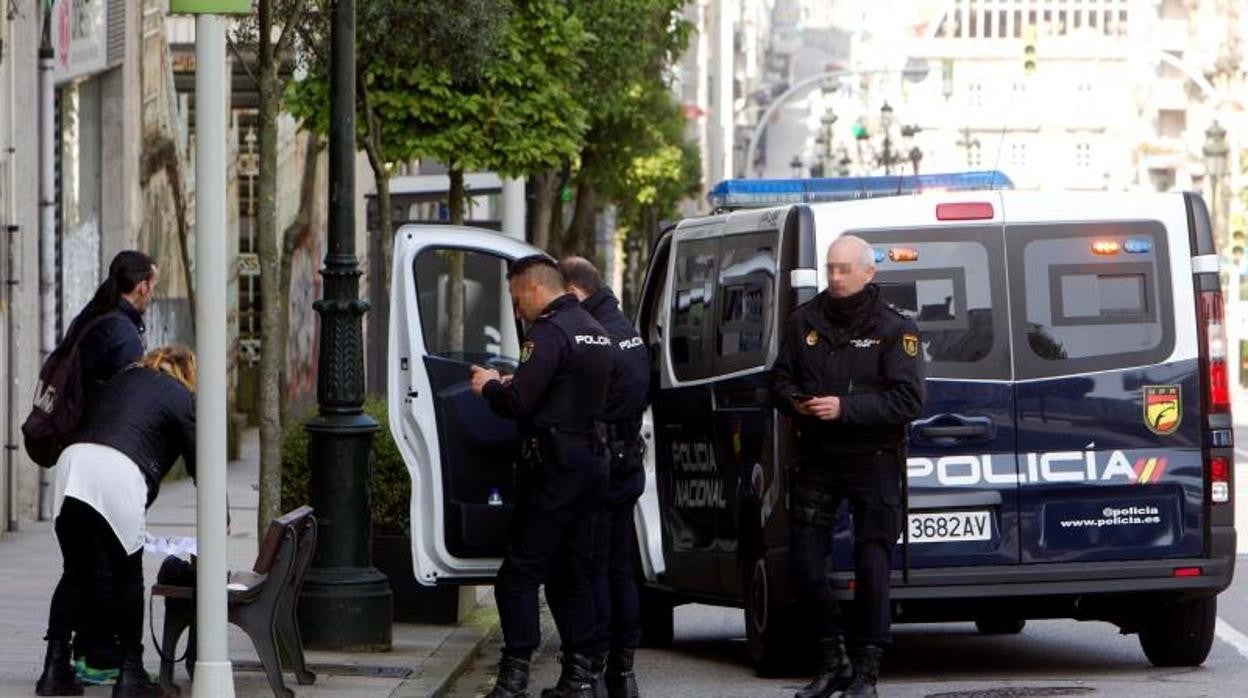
771,633
658,625
1000,626
1180,634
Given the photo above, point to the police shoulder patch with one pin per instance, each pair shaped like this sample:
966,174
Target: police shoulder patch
812,338
526,351
910,344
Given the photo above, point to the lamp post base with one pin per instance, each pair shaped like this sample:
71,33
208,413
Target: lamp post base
345,608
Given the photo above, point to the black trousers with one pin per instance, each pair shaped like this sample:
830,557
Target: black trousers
616,595
871,484
99,581
552,542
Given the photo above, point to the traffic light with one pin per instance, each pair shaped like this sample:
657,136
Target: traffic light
860,132
1029,49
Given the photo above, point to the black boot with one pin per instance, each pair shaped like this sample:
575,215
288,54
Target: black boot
835,672
576,680
513,678
620,679
134,682
58,677
598,669
866,672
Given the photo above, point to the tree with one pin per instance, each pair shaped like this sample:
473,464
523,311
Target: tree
510,110
625,80
265,46
430,46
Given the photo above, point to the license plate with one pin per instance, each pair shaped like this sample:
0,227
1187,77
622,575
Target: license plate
950,526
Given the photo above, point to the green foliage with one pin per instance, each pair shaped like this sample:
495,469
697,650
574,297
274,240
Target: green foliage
513,113
391,483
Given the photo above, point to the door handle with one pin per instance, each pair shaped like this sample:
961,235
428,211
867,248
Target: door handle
951,429
741,399
955,432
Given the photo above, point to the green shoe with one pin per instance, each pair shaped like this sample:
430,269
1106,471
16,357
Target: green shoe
92,676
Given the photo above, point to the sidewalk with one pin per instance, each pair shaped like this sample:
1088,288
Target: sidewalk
423,661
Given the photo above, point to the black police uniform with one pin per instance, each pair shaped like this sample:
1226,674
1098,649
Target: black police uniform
867,353
556,395
616,594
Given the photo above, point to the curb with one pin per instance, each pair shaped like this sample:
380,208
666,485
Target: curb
452,658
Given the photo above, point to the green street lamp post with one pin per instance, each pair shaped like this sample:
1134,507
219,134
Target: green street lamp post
346,602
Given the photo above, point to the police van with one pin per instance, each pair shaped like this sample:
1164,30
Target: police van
1075,455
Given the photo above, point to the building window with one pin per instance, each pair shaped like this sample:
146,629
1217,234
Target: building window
975,95
1083,156
974,155
1018,155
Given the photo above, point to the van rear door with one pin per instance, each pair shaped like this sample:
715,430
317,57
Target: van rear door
942,264
1107,363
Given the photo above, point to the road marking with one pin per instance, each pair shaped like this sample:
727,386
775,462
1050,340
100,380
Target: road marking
1232,637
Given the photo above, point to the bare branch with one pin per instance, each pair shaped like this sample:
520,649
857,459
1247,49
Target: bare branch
288,31
242,61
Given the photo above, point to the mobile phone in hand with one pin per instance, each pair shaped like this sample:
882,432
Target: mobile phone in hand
802,397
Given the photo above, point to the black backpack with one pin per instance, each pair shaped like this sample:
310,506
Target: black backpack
59,401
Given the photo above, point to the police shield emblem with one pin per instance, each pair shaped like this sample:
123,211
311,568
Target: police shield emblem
1163,408
910,344
526,351
812,338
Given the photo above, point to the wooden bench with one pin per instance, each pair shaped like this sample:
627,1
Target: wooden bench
264,606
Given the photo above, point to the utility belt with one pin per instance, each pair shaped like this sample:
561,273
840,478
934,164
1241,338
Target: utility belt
538,448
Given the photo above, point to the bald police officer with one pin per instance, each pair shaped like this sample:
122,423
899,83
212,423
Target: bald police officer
615,574
850,373
556,395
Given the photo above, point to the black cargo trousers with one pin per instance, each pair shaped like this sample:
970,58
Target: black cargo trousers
553,528
871,483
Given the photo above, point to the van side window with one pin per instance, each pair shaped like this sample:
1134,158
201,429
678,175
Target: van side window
747,281
693,302
1073,285
489,325
945,279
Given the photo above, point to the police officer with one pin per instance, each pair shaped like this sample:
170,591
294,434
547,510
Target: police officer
850,374
616,594
556,395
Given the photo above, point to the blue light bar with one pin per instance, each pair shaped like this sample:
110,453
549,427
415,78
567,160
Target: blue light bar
760,193
1138,246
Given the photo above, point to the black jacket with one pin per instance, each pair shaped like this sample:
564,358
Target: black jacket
148,416
112,344
629,388
561,383
875,367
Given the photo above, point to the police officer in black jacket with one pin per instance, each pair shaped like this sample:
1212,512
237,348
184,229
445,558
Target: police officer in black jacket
556,395
850,373
616,593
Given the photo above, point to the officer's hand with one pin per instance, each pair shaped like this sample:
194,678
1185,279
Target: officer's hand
506,380
482,376
827,408
802,406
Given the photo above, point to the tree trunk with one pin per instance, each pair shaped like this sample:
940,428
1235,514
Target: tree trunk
579,237
556,222
543,204
455,280
272,348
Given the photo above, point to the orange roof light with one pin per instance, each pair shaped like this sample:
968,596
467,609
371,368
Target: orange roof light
903,254
1106,247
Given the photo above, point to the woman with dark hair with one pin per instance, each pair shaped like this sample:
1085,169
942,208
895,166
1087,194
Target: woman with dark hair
130,437
113,320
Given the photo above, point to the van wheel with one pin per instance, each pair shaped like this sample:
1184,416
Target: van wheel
657,621
1000,626
770,631
1180,633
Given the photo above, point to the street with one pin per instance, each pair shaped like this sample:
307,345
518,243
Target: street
1049,658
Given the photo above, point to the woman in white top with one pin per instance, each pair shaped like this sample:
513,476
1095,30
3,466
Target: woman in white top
129,439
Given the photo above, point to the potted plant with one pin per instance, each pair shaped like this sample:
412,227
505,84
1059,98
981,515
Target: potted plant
390,500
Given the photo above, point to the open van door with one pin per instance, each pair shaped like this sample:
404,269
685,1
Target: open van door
459,453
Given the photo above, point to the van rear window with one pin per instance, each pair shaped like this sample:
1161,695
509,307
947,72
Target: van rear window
945,280
1076,286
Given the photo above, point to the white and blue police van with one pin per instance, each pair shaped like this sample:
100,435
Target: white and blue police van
1074,459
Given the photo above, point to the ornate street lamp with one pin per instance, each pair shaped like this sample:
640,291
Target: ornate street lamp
796,164
886,125
1215,152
